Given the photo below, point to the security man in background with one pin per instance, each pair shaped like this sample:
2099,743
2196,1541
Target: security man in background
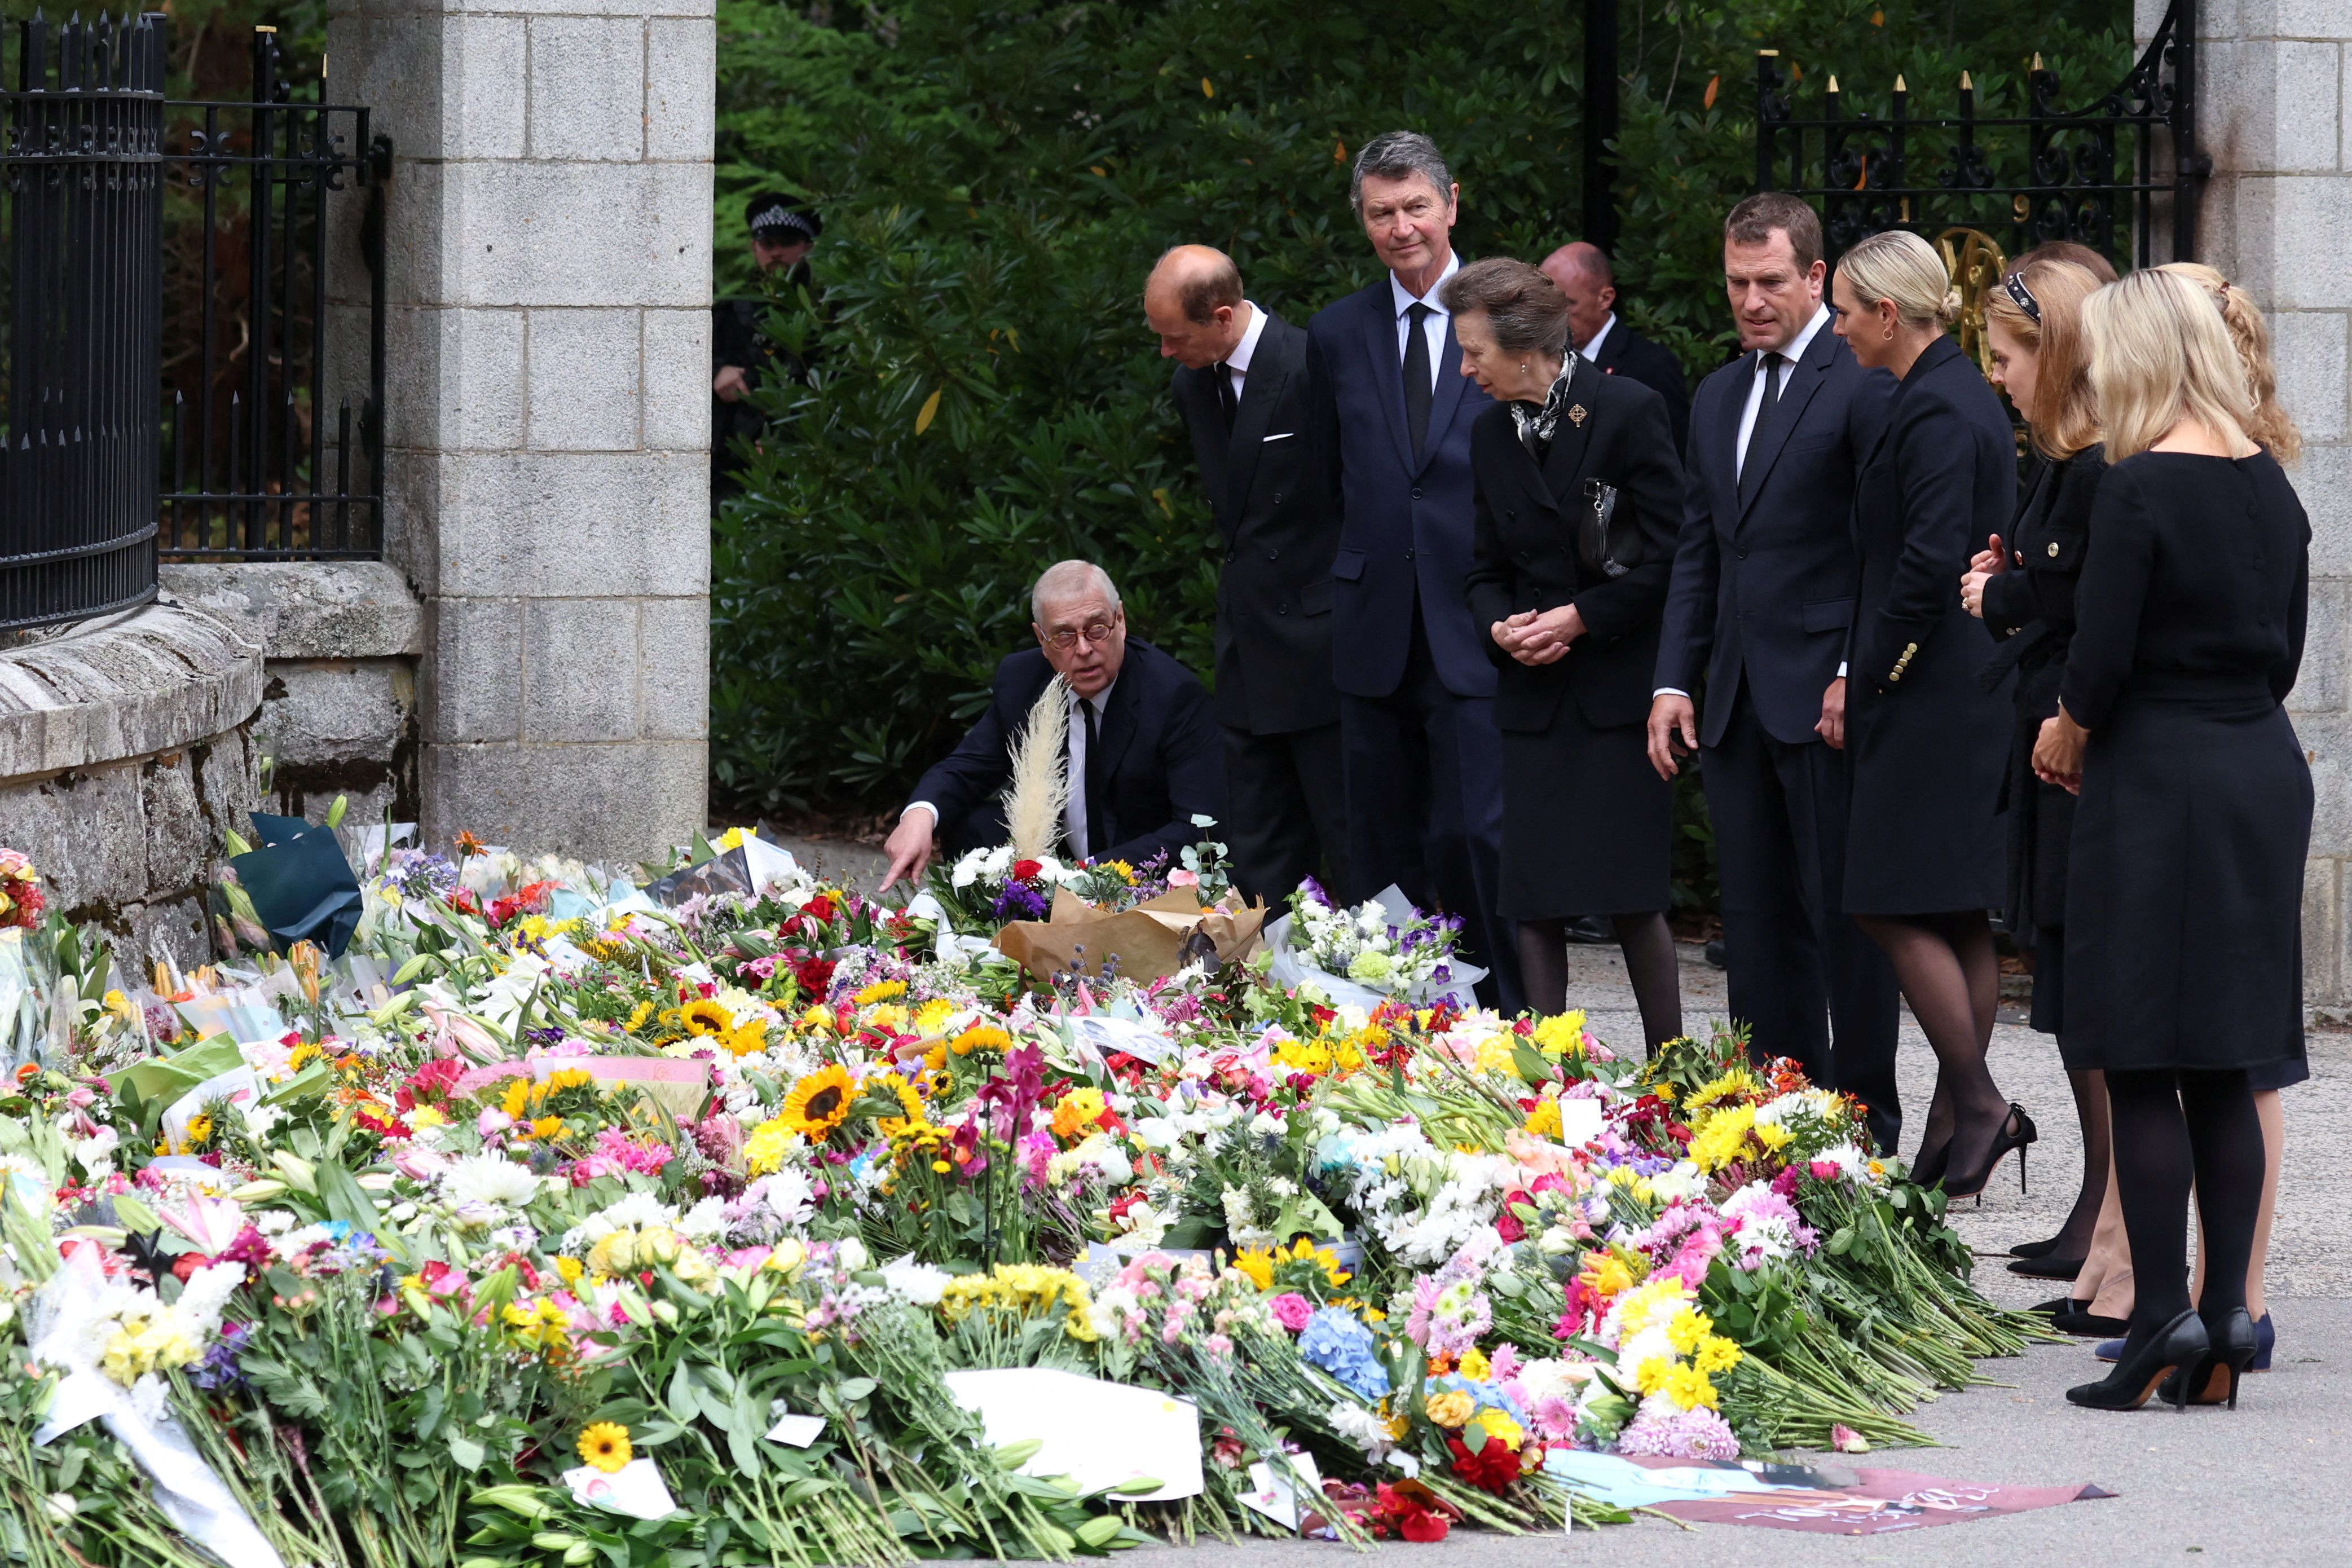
743,357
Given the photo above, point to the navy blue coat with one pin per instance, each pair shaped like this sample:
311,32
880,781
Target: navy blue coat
1164,755
1766,572
1404,524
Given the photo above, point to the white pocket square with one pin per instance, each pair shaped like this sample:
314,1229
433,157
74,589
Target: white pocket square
1286,436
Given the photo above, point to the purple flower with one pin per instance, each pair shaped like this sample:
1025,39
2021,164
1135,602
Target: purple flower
1019,901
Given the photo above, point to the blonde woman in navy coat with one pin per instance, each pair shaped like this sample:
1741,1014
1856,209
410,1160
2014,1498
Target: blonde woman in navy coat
1926,740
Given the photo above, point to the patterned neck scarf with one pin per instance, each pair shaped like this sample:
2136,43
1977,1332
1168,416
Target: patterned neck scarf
1536,424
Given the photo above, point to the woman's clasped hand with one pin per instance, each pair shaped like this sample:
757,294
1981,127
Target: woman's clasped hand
1538,637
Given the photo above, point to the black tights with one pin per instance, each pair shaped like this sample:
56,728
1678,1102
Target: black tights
1952,977
1649,950
2173,1130
2091,1110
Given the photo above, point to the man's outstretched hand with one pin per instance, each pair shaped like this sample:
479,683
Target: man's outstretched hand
909,846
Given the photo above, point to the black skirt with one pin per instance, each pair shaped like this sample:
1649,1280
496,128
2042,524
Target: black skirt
2184,900
1588,825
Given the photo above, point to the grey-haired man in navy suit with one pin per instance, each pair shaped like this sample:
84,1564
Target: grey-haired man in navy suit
1392,420
1763,590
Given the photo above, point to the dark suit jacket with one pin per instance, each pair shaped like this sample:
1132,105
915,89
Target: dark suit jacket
1765,572
1627,352
1526,557
1405,519
1273,596
1164,757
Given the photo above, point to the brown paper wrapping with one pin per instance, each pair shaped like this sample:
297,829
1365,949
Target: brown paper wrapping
1150,940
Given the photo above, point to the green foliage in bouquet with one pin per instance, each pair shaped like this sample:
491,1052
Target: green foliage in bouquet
995,181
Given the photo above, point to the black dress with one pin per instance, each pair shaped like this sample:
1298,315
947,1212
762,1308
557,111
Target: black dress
1924,738
1587,826
2031,608
2184,898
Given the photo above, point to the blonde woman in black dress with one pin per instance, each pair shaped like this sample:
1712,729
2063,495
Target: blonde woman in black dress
2195,817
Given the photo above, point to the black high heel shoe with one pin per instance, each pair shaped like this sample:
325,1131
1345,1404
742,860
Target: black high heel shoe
1928,1168
2017,1130
2035,1248
2215,1378
2047,1266
2182,1342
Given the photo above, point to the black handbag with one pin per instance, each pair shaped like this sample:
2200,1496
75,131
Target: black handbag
1603,542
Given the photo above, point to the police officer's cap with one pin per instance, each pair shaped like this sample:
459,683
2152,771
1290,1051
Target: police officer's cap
779,219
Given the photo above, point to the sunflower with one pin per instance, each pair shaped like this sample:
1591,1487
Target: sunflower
819,1102
750,1035
909,1101
980,1037
704,1017
606,1445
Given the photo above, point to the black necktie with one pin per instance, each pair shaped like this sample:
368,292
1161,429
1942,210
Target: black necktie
1093,781
1773,364
1227,398
1419,388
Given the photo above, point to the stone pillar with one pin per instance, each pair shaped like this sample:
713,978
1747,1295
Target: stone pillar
548,242
2275,112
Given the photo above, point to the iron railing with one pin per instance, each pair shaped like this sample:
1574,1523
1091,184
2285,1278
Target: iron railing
84,189
275,447
2109,176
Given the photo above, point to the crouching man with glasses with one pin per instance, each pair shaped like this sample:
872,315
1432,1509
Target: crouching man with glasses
1145,756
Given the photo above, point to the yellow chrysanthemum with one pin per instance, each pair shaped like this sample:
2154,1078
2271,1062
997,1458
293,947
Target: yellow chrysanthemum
1688,1387
1543,1122
1773,1136
750,1035
770,1142
932,1016
606,1445
1717,1353
569,1267
819,1102
1719,1139
1475,1365
1257,1263
1648,1303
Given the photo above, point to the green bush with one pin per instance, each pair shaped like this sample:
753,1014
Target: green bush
995,181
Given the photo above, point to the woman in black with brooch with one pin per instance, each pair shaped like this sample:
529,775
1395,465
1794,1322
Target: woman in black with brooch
1578,496
2195,817
2026,595
1924,739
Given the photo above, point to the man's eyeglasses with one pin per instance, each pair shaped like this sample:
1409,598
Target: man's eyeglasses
1097,633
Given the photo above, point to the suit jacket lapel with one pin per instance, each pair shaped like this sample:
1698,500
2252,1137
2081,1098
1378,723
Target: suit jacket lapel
1571,435
1771,434
1447,402
1388,371
1211,443
1261,391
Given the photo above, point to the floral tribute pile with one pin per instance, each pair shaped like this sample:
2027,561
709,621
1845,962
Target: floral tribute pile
549,1224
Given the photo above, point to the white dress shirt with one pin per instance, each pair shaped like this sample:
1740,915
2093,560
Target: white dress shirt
1794,354
1591,346
1074,815
1237,362
1433,326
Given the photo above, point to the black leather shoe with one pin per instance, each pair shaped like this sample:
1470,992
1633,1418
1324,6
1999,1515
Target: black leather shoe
1592,931
2057,1305
2035,1248
2181,1343
2087,1324
2215,1378
1714,952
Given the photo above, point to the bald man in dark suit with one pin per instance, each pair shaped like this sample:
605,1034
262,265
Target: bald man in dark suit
1583,273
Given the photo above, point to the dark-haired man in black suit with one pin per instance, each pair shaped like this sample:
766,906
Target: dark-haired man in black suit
1582,272
1764,586
1142,759
1241,387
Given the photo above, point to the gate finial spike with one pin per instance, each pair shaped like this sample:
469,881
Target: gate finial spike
1833,85
2037,59
1966,85
1898,83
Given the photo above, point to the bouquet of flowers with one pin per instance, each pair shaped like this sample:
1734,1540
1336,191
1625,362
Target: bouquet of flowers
1379,950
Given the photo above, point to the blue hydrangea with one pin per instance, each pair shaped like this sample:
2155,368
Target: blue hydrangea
1336,1342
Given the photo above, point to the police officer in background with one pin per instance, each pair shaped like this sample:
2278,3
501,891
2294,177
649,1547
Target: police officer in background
782,229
